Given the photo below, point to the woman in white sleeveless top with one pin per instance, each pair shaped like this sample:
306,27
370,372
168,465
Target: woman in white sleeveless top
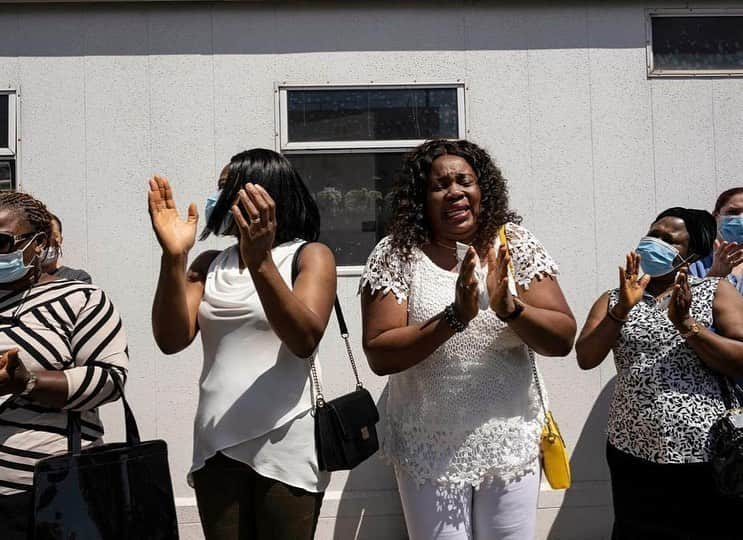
255,469
463,416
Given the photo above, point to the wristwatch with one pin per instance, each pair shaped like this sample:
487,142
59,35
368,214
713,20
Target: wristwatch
30,384
693,330
517,310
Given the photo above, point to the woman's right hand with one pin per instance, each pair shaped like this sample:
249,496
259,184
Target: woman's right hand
466,303
175,235
631,288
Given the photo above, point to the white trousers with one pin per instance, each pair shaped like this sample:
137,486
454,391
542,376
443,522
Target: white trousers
496,512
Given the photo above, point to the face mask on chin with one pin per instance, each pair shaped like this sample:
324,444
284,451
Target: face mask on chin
51,255
657,257
12,267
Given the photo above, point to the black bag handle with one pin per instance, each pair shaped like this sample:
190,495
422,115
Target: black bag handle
74,442
731,392
319,398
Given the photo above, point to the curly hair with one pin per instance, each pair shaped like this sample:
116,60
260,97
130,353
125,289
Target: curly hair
32,210
409,226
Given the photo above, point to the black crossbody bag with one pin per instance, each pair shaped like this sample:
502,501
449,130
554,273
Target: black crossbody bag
726,438
345,427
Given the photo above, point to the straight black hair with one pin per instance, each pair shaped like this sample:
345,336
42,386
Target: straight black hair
700,225
297,214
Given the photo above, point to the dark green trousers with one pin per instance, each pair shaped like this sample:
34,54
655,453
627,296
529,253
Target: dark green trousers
237,503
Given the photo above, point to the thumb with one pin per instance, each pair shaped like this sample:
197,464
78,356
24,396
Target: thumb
10,360
716,244
492,262
644,280
193,214
621,276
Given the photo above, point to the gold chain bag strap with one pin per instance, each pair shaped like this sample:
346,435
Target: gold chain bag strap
345,427
555,461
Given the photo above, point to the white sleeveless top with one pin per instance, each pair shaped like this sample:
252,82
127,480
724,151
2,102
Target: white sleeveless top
254,394
469,413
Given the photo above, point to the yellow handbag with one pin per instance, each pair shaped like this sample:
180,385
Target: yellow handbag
555,461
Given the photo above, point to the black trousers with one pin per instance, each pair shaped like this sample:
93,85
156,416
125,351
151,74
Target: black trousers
655,501
15,513
237,503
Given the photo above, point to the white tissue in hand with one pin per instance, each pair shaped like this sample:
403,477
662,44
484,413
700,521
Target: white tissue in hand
481,274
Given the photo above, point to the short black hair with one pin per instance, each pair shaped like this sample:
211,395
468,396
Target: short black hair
297,213
725,196
59,222
700,225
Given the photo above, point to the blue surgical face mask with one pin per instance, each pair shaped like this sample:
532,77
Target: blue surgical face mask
731,228
657,257
12,267
211,202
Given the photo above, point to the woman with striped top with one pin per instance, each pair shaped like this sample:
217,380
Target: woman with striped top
62,342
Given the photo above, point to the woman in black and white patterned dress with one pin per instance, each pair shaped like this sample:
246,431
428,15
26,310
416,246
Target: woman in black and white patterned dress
667,393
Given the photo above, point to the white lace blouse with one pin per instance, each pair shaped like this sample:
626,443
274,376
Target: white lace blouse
469,413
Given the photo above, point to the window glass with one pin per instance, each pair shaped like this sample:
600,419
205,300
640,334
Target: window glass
369,114
353,192
4,119
698,43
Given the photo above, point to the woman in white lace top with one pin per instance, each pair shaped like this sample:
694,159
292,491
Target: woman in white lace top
463,416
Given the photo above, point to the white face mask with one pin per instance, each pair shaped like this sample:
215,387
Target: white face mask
50,255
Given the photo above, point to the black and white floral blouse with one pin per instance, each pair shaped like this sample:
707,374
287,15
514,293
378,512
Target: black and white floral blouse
665,399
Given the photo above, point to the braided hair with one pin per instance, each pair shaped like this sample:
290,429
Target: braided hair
32,210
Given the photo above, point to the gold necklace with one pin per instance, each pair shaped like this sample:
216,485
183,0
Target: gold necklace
450,248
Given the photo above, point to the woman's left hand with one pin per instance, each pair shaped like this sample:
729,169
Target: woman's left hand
13,374
678,309
257,235
501,299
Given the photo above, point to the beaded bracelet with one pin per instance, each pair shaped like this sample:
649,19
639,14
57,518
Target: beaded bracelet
451,318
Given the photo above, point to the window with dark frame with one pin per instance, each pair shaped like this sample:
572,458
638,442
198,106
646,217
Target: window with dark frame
348,144
704,44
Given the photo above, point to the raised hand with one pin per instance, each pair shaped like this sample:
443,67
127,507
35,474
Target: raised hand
727,255
678,309
175,235
631,288
13,374
501,299
466,302
258,231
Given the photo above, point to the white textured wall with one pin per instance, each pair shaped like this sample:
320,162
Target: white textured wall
593,149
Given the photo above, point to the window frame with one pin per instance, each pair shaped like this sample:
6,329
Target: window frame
281,132
11,149
654,73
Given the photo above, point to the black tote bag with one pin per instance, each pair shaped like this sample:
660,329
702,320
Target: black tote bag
117,491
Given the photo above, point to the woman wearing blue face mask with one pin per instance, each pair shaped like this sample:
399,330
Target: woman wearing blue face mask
667,393
62,345
255,469
727,258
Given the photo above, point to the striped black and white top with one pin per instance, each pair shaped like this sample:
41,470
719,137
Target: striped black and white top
66,326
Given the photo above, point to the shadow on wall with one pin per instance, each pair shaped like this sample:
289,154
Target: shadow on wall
369,508
259,28
585,513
